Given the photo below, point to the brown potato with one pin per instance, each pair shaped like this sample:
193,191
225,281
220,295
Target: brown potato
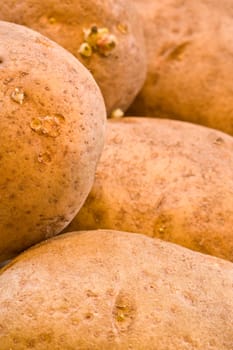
115,290
189,46
167,179
51,135
117,61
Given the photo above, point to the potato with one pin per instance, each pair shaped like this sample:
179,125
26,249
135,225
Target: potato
166,179
189,46
118,291
51,135
103,34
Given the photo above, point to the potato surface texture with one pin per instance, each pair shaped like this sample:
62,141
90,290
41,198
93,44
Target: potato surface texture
166,179
118,61
52,123
189,46
115,291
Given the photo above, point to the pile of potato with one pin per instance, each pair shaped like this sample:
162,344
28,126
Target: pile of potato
141,206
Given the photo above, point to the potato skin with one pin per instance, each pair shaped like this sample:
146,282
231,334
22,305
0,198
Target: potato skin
121,74
189,50
166,179
51,135
118,291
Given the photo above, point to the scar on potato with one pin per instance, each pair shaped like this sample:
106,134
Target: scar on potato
178,51
124,311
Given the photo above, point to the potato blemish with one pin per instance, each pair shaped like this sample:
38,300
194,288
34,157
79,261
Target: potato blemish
18,95
48,125
124,311
98,40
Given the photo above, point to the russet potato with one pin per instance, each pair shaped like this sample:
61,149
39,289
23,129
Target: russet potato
167,179
189,47
104,35
115,290
52,124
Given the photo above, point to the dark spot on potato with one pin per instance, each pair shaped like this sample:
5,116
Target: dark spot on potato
23,74
218,141
177,52
189,298
188,341
12,196
90,294
88,316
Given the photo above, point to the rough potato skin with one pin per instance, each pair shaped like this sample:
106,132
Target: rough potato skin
118,291
166,179
189,46
51,137
121,74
